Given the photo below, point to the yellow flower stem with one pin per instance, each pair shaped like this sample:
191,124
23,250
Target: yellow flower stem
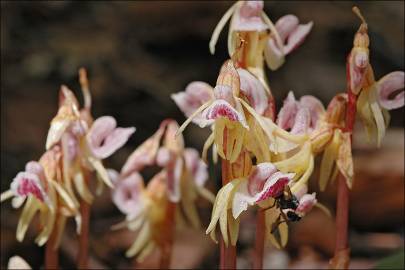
166,250
82,256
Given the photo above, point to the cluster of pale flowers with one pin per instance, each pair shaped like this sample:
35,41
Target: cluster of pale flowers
269,155
180,181
75,147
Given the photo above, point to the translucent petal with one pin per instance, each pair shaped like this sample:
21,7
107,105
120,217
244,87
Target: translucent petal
207,144
233,226
81,187
220,26
127,194
104,138
345,159
297,37
16,262
221,204
101,171
378,116
195,95
389,84
195,114
146,251
141,240
328,160
253,90
8,194
143,155
30,208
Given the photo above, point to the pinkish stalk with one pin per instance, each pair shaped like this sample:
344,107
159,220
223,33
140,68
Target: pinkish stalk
168,230
259,244
82,257
341,258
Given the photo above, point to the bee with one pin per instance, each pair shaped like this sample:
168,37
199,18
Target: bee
287,203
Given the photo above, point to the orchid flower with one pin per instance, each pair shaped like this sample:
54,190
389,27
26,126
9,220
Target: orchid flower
224,111
181,179
374,102
145,210
250,24
260,187
73,144
39,186
84,143
375,98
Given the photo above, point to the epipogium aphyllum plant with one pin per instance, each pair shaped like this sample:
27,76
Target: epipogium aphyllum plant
267,162
58,185
169,197
266,157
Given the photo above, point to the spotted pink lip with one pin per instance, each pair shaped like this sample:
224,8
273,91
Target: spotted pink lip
275,190
27,186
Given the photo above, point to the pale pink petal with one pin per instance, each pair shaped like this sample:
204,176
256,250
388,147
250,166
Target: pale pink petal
306,203
104,138
195,95
242,199
78,128
36,168
273,55
196,166
224,92
272,188
292,34
253,89
297,37
302,121
72,146
314,106
113,175
286,25
174,172
286,116
259,176
358,63
164,157
145,154
221,108
127,194
248,17
27,183
171,141
389,84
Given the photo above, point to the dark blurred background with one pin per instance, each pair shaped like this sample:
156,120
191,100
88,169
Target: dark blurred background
137,54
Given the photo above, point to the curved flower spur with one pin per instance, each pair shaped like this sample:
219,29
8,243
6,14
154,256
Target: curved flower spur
74,146
180,181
